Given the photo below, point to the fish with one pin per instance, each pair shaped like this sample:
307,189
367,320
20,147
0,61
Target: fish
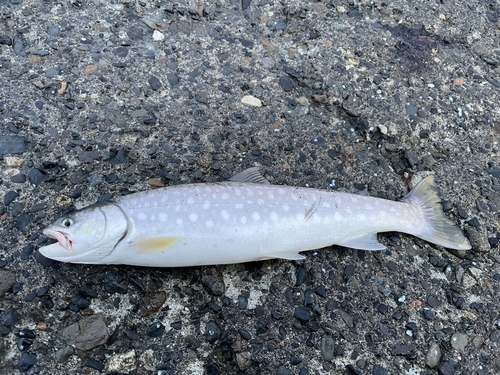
241,220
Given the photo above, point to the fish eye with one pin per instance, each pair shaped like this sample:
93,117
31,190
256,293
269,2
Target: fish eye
67,222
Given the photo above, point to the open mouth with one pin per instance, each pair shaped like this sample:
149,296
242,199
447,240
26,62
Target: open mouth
63,238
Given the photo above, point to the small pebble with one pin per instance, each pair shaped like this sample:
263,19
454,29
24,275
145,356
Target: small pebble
459,341
433,356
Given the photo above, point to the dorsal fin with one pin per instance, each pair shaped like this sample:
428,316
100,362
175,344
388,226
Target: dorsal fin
251,175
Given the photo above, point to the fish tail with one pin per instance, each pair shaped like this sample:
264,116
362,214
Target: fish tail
438,229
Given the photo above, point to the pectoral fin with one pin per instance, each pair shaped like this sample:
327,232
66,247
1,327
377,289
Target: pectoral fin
366,242
153,245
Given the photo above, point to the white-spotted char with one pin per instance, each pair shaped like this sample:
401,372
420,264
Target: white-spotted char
242,220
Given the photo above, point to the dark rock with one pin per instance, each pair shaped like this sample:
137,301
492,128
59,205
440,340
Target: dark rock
154,82
10,317
434,301
86,334
300,276
212,332
7,281
24,344
212,369
403,349
286,83
346,318
320,291
9,197
95,364
379,370
36,176
474,222
27,333
245,335
5,39
119,158
245,4
18,47
26,361
23,221
282,370
383,308
302,315
447,368
349,270
308,297
213,282
155,330
121,51
172,79
11,145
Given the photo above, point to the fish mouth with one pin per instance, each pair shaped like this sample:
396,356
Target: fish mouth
62,238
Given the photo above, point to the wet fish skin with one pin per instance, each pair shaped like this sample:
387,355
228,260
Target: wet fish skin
245,219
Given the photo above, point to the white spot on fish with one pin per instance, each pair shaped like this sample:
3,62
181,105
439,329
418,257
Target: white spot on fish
177,208
348,211
392,209
206,205
368,207
274,216
270,195
238,205
163,217
193,217
179,221
225,214
225,196
209,223
260,202
152,218
285,207
337,216
190,200
243,219
326,205
256,216
294,197
142,216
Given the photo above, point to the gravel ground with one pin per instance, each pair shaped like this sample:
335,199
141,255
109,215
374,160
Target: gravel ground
103,98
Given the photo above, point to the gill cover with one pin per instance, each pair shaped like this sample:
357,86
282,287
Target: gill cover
86,236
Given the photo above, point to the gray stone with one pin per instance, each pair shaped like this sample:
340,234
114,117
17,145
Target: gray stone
433,356
86,334
459,341
63,354
7,281
327,347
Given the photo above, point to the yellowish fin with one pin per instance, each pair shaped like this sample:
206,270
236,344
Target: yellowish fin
154,245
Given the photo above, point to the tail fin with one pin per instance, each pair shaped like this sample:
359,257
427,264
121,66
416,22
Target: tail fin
439,229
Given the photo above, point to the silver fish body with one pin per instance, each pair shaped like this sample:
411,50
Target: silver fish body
235,221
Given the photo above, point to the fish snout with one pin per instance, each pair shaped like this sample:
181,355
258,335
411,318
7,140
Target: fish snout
64,239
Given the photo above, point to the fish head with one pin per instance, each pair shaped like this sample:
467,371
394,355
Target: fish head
87,235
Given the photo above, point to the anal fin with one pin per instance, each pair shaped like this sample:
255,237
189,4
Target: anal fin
366,242
289,255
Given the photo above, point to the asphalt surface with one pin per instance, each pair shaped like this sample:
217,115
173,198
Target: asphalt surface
99,99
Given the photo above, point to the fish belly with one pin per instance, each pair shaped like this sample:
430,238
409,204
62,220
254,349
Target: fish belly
232,222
